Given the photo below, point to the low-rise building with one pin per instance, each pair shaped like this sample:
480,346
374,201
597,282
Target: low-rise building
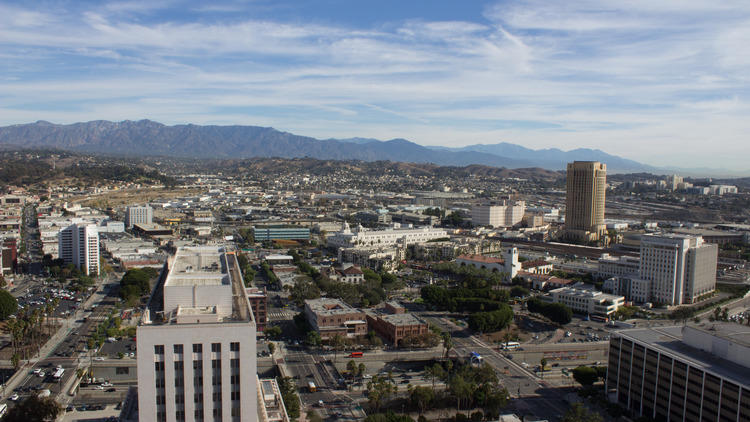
585,300
537,266
259,303
281,233
509,265
331,317
634,289
273,408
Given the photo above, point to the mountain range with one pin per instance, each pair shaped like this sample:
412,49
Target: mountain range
149,138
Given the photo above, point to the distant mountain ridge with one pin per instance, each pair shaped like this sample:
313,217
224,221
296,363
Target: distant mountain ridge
149,138
556,158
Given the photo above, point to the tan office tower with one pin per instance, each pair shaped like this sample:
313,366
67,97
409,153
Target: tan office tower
584,214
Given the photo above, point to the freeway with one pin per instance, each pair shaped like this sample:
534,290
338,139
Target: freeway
531,392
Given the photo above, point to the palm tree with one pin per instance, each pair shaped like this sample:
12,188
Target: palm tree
447,343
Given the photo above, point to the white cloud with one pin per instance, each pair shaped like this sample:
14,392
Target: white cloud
635,78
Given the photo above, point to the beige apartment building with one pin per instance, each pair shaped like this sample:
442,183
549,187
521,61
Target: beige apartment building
584,214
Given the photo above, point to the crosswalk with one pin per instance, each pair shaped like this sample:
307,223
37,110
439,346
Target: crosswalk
280,315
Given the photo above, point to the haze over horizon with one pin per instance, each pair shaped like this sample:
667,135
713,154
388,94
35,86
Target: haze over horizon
662,83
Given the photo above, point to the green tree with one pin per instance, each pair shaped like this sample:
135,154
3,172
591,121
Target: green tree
579,413
313,339
351,367
8,305
380,389
585,375
313,416
15,360
434,372
273,332
447,344
542,365
422,397
271,347
34,409
288,390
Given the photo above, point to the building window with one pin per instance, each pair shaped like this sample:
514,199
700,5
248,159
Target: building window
159,349
217,396
197,348
216,347
177,349
234,347
234,363
216,363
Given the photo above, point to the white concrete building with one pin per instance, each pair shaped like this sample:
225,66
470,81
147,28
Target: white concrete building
506,214
78,244
397,234
611,266
509,264
196,346
634,289
681,268
585,300
138,215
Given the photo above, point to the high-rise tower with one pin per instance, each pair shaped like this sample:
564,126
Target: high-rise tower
584,214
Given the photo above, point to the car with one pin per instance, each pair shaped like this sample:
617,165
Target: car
107,384
99,359
41,374
111,390
14,397
99,387
70,408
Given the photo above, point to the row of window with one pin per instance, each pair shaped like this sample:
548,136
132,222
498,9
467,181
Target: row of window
197,348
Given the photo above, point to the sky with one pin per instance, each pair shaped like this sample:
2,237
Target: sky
662,82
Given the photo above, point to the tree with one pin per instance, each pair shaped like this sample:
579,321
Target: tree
271,347
579,413
8,305
351,367
380,389
34,409
15,360
434,372
313,416
447,343
313,338
542,364
422,397
361,369
338,343
288,390
273,332
585,375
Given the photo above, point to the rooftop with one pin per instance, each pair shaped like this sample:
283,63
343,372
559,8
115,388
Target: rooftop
401,319
481,258
327,306
198,266
669,340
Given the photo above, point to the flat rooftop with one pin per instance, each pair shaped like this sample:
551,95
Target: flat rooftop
201,266
401,319
669,341
198,266
327,306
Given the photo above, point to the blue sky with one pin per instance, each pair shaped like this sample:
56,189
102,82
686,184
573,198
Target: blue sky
663,82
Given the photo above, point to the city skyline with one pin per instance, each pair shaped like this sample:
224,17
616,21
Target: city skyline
659,83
